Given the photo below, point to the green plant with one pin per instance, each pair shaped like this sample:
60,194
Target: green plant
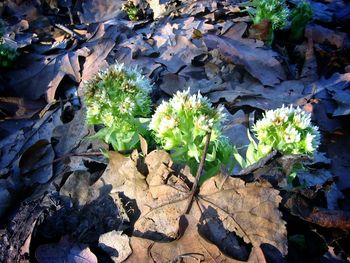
276,11
132,11
118,98
273,14
301,15
181,124
7,53
286,129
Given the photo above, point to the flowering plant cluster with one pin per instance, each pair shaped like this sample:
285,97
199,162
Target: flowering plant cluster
275,11
134,12
181,124
119,99
286,129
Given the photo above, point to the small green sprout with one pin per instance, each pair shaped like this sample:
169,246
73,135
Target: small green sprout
181,124
301,15
119,99
8,49
276,11
287,130
132,11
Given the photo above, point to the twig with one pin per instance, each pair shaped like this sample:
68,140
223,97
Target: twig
70,32
199,172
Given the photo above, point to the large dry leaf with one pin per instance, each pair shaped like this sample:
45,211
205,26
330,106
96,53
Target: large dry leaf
36,163
19,108
24,138
260,63
253,94
70,135
223,207
43,74
98,10
191,247
248,209
179,55
227,205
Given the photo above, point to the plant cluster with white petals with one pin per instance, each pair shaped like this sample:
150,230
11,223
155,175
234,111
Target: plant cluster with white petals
287,130
181,124
119,99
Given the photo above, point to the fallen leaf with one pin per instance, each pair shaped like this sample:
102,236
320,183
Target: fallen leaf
179,55
36,163
94,11
64,251
320,34
45,74
116,245
191,247
249,210
260,63
329,218
79,189
69,135
19,108
257,96
98,48
164,199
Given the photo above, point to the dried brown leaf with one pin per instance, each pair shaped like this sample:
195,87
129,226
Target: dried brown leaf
36,162
250,210
260,63
43,74
116,245
65,251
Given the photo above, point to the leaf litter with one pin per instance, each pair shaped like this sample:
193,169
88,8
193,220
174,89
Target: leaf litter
59,200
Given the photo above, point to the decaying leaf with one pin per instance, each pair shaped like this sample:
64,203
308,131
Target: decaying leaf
260,63
98,10
116,245
64,251
165,198
191,247
36,163
179,55
249,210
45,74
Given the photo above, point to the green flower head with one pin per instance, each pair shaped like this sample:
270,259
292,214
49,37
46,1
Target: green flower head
288,130
181,124
276,11
118,98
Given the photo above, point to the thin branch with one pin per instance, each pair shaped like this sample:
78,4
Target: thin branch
199,172
70,32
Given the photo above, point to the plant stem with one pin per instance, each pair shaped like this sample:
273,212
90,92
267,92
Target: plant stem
199,172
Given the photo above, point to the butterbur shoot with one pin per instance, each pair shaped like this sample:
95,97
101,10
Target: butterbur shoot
180,126
301,15
287,130
275,12
119,99
8,49
132,11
